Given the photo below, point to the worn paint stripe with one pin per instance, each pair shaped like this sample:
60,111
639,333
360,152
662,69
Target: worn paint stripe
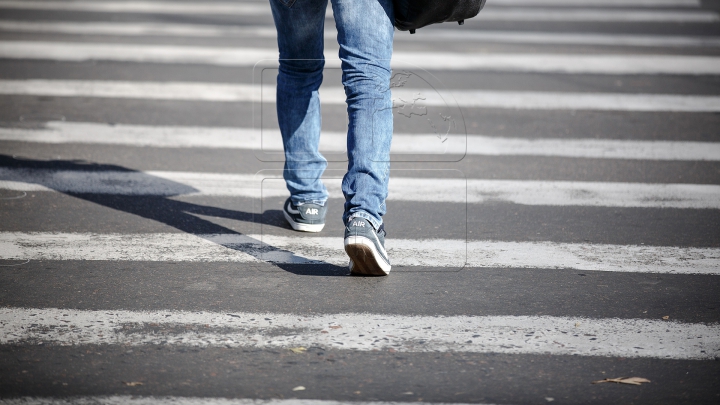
365,332
490,13
60,132
438,35
454,190
404,253
159,7
170,400
537,14
137,28
227,92
549,38
545,63
600,3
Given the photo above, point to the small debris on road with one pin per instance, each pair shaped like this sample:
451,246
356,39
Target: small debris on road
299,388
666,317
624,380
298,350
132,383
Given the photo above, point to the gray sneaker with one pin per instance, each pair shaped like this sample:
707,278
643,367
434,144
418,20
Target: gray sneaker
366,248
306,217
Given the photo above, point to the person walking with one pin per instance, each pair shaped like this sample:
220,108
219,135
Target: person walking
365,30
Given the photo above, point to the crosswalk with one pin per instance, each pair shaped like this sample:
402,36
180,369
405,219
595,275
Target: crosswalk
124,231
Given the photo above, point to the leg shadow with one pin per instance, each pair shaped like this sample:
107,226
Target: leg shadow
68,177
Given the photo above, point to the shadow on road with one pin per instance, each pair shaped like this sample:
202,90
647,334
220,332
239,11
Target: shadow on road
178,214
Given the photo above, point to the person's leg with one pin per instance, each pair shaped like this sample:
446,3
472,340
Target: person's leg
365,35
300,25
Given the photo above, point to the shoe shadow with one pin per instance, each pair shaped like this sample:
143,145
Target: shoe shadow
148,196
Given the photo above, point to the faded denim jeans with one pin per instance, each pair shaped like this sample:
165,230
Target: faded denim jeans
365,35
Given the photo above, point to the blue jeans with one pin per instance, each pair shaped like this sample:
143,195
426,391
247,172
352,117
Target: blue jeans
365,35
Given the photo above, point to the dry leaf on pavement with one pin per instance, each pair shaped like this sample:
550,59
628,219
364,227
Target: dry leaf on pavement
298,349
624,380
299,388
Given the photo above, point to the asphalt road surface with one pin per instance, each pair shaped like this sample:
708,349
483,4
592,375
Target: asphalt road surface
553,218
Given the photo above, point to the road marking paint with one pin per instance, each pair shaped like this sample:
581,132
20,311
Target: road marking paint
528,100
169,400
565,38
490,13
566,64
434,253
537,14
545,63
227,92
60,132
600,3
205,30
452,190
137,28
365,332
159,7
75,52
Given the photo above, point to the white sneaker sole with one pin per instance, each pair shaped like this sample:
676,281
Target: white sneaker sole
364,257
303,227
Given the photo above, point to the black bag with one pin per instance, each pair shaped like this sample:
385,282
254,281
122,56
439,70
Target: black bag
413,14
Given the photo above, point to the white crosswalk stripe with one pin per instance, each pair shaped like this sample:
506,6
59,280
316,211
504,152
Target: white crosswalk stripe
260,9
536,14
434,253
162,7
458,190
174,400
426,97
480,334
544,63
61,132
437,35
599,3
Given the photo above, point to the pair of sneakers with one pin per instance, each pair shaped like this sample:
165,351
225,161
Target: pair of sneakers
363,243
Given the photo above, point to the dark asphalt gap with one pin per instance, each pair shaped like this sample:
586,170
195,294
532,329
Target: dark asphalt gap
485,121
56,212
218,160
350,376
328,289
450,80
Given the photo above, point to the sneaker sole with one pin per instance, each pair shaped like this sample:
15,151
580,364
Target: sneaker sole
303,227
364,256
